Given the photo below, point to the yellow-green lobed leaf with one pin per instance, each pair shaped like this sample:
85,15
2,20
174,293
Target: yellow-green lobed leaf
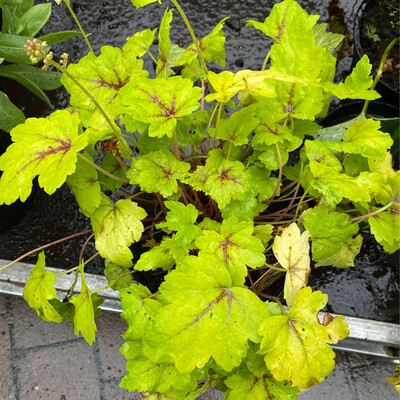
44,147
39,290
84,312
295,345
292,251
116,227
208,316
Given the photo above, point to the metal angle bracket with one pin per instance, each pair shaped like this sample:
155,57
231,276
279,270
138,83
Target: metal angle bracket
376,338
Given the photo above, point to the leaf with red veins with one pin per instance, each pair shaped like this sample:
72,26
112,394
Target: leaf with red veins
103,76
211,46
231,182
116,227
238,127
235,246
160,102
206,315
158,172
44,147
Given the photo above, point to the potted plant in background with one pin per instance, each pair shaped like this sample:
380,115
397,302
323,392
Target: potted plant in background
223,179
376,26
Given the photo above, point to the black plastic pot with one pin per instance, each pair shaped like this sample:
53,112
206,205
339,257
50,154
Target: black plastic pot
387,113
350,110
390,93
12,213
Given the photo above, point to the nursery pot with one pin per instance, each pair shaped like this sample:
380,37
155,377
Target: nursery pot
375,277
376,25
11,214
387,113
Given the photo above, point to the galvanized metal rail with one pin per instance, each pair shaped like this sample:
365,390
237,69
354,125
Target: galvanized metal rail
370,337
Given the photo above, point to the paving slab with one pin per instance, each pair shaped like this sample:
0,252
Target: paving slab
58,372
3,306
112,391
31,331
110,328
45,361
7,386
211,394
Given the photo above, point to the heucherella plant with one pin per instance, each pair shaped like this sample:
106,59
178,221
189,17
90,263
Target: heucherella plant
227,181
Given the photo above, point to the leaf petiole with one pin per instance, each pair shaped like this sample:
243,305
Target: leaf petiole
79,25
279,175
372,213
192,34
102,170
112,125
379,72
114,282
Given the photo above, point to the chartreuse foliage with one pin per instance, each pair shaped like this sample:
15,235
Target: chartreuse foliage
39,290
295,345
44,147
197,170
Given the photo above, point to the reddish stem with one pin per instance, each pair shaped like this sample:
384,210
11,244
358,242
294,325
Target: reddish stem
245,152
83,248
46,246
279,176
160,201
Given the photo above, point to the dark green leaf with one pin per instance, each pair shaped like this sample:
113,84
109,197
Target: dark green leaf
58,37
46,80
12,48
111,164
34,19
10,115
